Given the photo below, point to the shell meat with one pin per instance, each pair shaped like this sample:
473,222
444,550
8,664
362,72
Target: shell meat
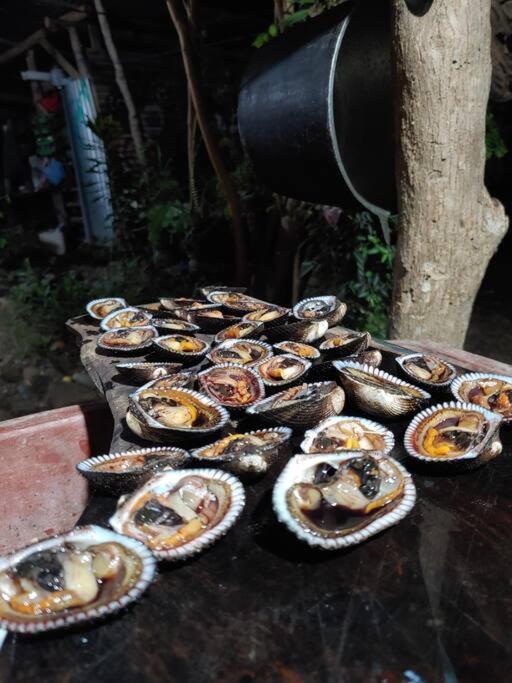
327,308
142,371
269,316
239,330
337,500
65,580
182,347
249,453
493,392
282,369
427,370
236,301
454,433
212,320
377,392
173,415
100,308
208,289
178,514
127,339
298,349
232,385
345,343
307,331
121,472
243,352
301,406
126,317
169,325
347,433
181,302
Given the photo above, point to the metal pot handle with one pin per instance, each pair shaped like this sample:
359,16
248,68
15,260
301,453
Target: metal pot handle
419,7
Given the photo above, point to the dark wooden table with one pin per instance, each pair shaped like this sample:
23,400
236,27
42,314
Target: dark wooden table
428,600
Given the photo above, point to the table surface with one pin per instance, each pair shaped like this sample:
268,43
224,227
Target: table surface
427,600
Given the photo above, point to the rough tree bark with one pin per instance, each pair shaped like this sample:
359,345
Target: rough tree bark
449,226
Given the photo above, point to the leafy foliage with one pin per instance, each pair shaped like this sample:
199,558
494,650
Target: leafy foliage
495,147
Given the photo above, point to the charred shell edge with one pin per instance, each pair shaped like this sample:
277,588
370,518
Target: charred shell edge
87,467
131,309
257,328
244,340
141,415
457,383
92,303
196,453
127,349
433,385
333,317
167,324
253,410
182,354
77,535
237,366
299,330
387,435
286,479
279,347
168,479
382,374
284,382
493,419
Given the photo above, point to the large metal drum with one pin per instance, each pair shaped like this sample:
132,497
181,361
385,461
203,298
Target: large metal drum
315,109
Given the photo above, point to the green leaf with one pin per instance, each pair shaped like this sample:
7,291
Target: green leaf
273,30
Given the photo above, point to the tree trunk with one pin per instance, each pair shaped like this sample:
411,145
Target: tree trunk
122,83
180,22
449,226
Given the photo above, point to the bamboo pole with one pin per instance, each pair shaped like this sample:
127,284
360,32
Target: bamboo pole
122,83
212,147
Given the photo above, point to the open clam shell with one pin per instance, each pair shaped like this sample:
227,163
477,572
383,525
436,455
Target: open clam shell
427,370
174,325
370,357
100,308
212,320
268,317
177,380
208,289
124,471
454,434
180,513
236,302
377,392
233,386
491,391
343,433
298,349
378,493
301,406
307,331
344,343
283,370
182,348
142,372
328,308
126,317
247,352
96,571
249,453
187,312
174,415
239,330
127,340
173,303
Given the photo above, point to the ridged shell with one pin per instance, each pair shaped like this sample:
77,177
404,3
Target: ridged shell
131,349
165,481
186,312
185,357
141,372
242,329
487,449
174,326
288,346
256,384
85,535
215,355
457,387
369,425
243,303
402,362
92,304
147,427
381,400
108,322
211,325
255,316
358,343
302,412
370,357
270,382
299,469
171,304
301,331
208,289
126,480
336,309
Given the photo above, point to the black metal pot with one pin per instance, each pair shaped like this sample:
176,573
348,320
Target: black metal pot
315,109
